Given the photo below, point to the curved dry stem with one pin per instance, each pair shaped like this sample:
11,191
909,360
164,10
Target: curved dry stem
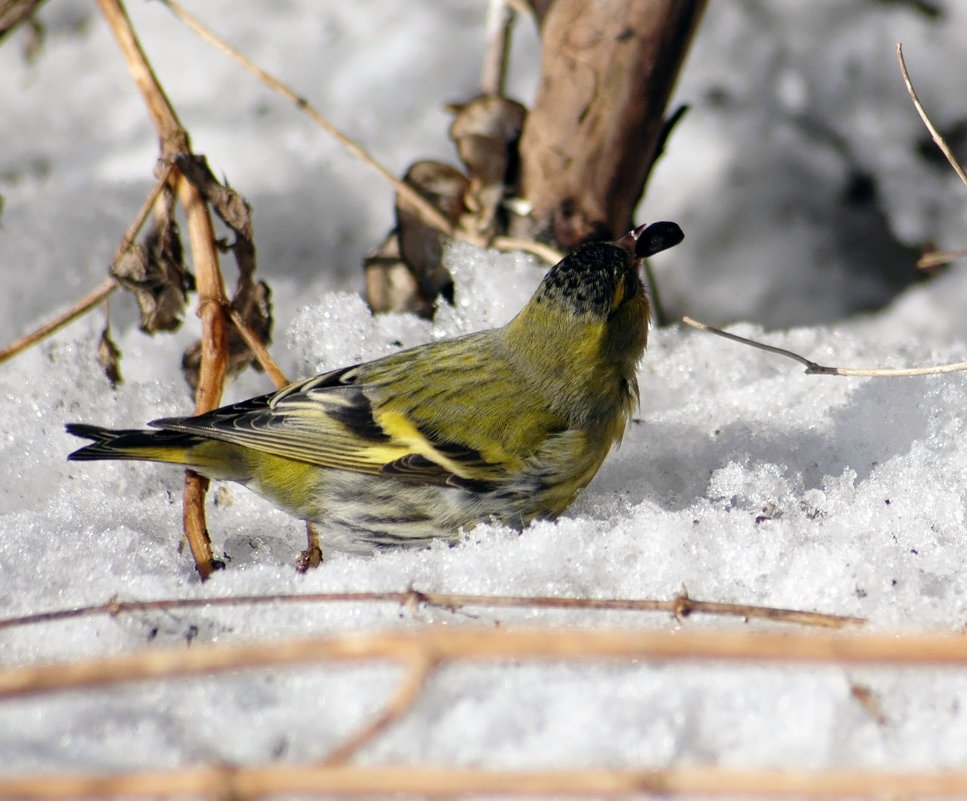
934,133
419,668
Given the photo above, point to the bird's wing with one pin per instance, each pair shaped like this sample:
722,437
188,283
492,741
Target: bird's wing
330,421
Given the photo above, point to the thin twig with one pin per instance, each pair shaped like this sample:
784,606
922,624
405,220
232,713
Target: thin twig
812,368
281,780
476,644
265,360
427,210
500,21
418,670
81,307
95,296
542,251
937,138
681,606
938,257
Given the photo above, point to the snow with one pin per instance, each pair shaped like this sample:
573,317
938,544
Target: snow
742,479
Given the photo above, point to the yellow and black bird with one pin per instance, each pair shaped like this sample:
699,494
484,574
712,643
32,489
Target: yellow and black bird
504,425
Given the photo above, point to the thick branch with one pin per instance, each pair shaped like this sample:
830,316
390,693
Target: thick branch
588,144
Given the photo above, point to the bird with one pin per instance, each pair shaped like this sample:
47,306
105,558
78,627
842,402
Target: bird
504,425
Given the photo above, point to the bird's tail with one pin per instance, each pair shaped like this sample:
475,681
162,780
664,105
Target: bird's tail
152,446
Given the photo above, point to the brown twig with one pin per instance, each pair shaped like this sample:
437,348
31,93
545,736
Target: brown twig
211,293
265,360
443,782
812,368
681,606
474,644
81,307
430,213
95,296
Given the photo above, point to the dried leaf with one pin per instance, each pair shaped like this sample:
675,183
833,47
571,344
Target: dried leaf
230,207
155,272
109,357
390,284
421,245
486,131
15,12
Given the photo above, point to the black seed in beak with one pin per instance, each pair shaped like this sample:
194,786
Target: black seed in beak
647,240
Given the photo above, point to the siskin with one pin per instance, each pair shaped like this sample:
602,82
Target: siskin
505,425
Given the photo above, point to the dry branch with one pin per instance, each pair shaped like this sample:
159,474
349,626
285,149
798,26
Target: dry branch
435,782
174,140
98,295
446,644
681,606
607,72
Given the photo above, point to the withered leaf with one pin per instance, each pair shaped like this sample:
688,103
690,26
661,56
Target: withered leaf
230,207
390,284
487,131
155,272
109,357
420,244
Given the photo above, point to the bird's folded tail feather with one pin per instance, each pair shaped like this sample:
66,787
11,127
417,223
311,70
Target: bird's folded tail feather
175,447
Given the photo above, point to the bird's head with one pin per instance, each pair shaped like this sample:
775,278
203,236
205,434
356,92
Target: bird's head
589,316
598,280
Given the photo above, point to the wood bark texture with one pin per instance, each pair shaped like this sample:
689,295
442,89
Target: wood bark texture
608,69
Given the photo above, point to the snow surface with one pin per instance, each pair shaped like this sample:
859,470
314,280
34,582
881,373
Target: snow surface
742,479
